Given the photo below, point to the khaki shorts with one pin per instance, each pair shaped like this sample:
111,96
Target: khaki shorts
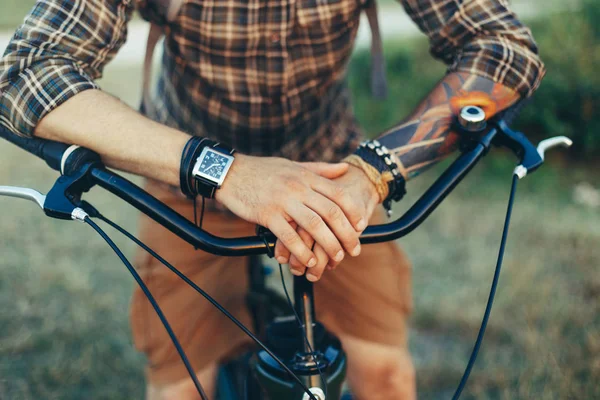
368,297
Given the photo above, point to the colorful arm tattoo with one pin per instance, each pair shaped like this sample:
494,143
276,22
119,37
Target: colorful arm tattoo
426,137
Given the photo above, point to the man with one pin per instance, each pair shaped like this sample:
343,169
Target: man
267,78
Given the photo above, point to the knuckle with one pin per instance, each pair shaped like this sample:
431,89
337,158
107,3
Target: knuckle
289,238
314,221
304,173
334,212
339,192
293,184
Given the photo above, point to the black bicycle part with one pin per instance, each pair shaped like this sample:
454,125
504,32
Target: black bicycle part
285,338
490,302
520,145
498,132
185,229
303,289
66,192
154,304
76,160
93,211
48,150
264,303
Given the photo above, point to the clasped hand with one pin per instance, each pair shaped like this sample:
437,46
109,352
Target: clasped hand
317,211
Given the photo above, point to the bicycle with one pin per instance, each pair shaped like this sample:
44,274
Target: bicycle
300,360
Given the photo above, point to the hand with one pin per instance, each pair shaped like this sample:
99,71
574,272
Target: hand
276,193
356,182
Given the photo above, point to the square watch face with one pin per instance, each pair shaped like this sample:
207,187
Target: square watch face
213,165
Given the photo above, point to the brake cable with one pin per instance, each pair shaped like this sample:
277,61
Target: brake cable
488,308
153,302
92,211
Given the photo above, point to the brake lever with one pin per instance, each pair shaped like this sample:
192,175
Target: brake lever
546,144
556,141
76,213
62,200
24,193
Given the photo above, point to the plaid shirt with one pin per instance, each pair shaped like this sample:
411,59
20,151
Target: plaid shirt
267,77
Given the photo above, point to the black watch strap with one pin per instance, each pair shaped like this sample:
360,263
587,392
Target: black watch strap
205,188
222,147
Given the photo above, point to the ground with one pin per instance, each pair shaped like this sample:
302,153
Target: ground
64,296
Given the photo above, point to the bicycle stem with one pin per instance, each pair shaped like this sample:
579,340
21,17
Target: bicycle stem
304,304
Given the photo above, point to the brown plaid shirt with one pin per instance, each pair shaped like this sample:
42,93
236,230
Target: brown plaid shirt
266,77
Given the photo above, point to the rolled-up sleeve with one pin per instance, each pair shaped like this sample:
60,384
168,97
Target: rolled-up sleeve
482,37
59,50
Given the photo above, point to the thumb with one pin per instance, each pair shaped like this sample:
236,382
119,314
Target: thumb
326,170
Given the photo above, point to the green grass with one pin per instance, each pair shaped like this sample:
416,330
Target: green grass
13,12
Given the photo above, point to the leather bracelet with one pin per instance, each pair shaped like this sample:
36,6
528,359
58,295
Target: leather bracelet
191,151
379,180
378,156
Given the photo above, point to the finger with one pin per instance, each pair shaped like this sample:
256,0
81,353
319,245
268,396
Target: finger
331,265
326,170
318,229
354,211
337,221
315,273
282,254
309,241
296,267
292,241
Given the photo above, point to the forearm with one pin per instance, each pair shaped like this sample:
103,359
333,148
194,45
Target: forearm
125,139
426,136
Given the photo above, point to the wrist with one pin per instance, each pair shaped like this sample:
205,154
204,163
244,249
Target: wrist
378,187
229,184
368,185
383,169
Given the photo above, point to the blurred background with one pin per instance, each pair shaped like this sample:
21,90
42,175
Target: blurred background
64,296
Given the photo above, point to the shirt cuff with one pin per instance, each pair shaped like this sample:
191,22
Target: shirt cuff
33,92
506,62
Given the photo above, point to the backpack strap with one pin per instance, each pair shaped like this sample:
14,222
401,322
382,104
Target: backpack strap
379,87
165,12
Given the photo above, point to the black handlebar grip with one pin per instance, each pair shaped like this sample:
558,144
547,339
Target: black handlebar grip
511,113
47,150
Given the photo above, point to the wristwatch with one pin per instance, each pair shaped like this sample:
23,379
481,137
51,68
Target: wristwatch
211,168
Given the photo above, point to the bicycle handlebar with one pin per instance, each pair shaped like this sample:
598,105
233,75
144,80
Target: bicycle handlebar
91,173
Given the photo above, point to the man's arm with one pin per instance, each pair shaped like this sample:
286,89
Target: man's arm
293,192
493,63
47,87
426,136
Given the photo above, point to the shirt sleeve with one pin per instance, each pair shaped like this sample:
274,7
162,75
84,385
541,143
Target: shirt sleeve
59,50
482,37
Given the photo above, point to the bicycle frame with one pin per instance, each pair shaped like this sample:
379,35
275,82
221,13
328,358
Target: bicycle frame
84,170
